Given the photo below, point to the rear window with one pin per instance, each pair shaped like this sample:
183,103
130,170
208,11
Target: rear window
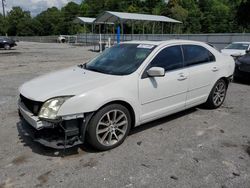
194,54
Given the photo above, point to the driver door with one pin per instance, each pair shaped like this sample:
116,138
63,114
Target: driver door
161,96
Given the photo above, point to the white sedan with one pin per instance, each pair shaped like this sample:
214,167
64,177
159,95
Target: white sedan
127,85
237,49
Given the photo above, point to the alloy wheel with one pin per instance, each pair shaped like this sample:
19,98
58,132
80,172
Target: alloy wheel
112,127
219,93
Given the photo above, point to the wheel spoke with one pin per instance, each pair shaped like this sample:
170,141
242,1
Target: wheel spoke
114,117
105,124
121,123
116,136
102,130
120,130
119,118
108,116
215,98
104,136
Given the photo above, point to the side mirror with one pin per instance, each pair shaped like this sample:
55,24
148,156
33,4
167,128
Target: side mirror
156,72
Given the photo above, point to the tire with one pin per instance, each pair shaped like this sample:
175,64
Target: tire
217,95
6,46
113,123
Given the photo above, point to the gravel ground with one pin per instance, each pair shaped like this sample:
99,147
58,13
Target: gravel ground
195,148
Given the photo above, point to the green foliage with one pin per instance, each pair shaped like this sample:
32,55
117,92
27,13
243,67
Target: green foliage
243,15
51,19
18,20
3,25
197,16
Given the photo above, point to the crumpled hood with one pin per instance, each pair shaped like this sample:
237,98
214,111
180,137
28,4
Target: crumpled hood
70,81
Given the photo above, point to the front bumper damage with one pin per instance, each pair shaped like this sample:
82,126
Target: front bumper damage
59,135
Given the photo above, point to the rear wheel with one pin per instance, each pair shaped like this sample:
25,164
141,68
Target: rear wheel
217,95
6,46
109,127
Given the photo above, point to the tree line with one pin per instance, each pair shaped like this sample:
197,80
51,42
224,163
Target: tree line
197,16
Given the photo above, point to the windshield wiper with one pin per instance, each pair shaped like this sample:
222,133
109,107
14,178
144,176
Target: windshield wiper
82,66
94,69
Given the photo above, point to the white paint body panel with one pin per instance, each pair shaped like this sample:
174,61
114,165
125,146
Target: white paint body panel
233,52
150,98
160,96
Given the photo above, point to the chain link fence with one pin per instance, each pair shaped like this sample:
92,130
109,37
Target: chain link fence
218,40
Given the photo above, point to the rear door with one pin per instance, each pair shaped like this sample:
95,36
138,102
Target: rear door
202,69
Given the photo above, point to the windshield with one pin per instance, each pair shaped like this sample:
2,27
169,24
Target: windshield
122,59
238,46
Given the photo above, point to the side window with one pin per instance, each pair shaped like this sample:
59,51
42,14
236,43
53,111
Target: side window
194,54
169,58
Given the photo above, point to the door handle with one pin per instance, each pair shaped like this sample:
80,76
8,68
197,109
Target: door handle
215,69
182,77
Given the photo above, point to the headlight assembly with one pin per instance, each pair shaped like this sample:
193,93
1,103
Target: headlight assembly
50,107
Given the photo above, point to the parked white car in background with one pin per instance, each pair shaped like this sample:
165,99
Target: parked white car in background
237,49
127,85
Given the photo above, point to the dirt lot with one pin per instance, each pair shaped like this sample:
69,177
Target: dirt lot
195,148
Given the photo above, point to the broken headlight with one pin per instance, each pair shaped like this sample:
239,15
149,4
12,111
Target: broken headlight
50,107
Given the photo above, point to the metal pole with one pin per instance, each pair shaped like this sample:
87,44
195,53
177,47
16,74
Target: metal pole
162,28
143,28
153,28
121,22
100,43
3,5
132,30
85,34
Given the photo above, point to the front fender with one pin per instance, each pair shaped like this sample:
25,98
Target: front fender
93,100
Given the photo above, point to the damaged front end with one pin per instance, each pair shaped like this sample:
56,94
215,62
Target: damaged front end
64,132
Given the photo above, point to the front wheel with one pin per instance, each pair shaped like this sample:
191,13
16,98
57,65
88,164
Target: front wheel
109,127
217,95
7,47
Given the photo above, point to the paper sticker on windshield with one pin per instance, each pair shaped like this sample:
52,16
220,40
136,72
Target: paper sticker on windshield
147,46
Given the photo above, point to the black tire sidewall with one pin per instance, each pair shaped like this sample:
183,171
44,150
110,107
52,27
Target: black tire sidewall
92,139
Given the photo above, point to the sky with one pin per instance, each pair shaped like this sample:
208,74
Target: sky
36,6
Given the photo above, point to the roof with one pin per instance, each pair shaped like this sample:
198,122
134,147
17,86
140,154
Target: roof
109,16
241,42
166,42
88,20
85,20
156,43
